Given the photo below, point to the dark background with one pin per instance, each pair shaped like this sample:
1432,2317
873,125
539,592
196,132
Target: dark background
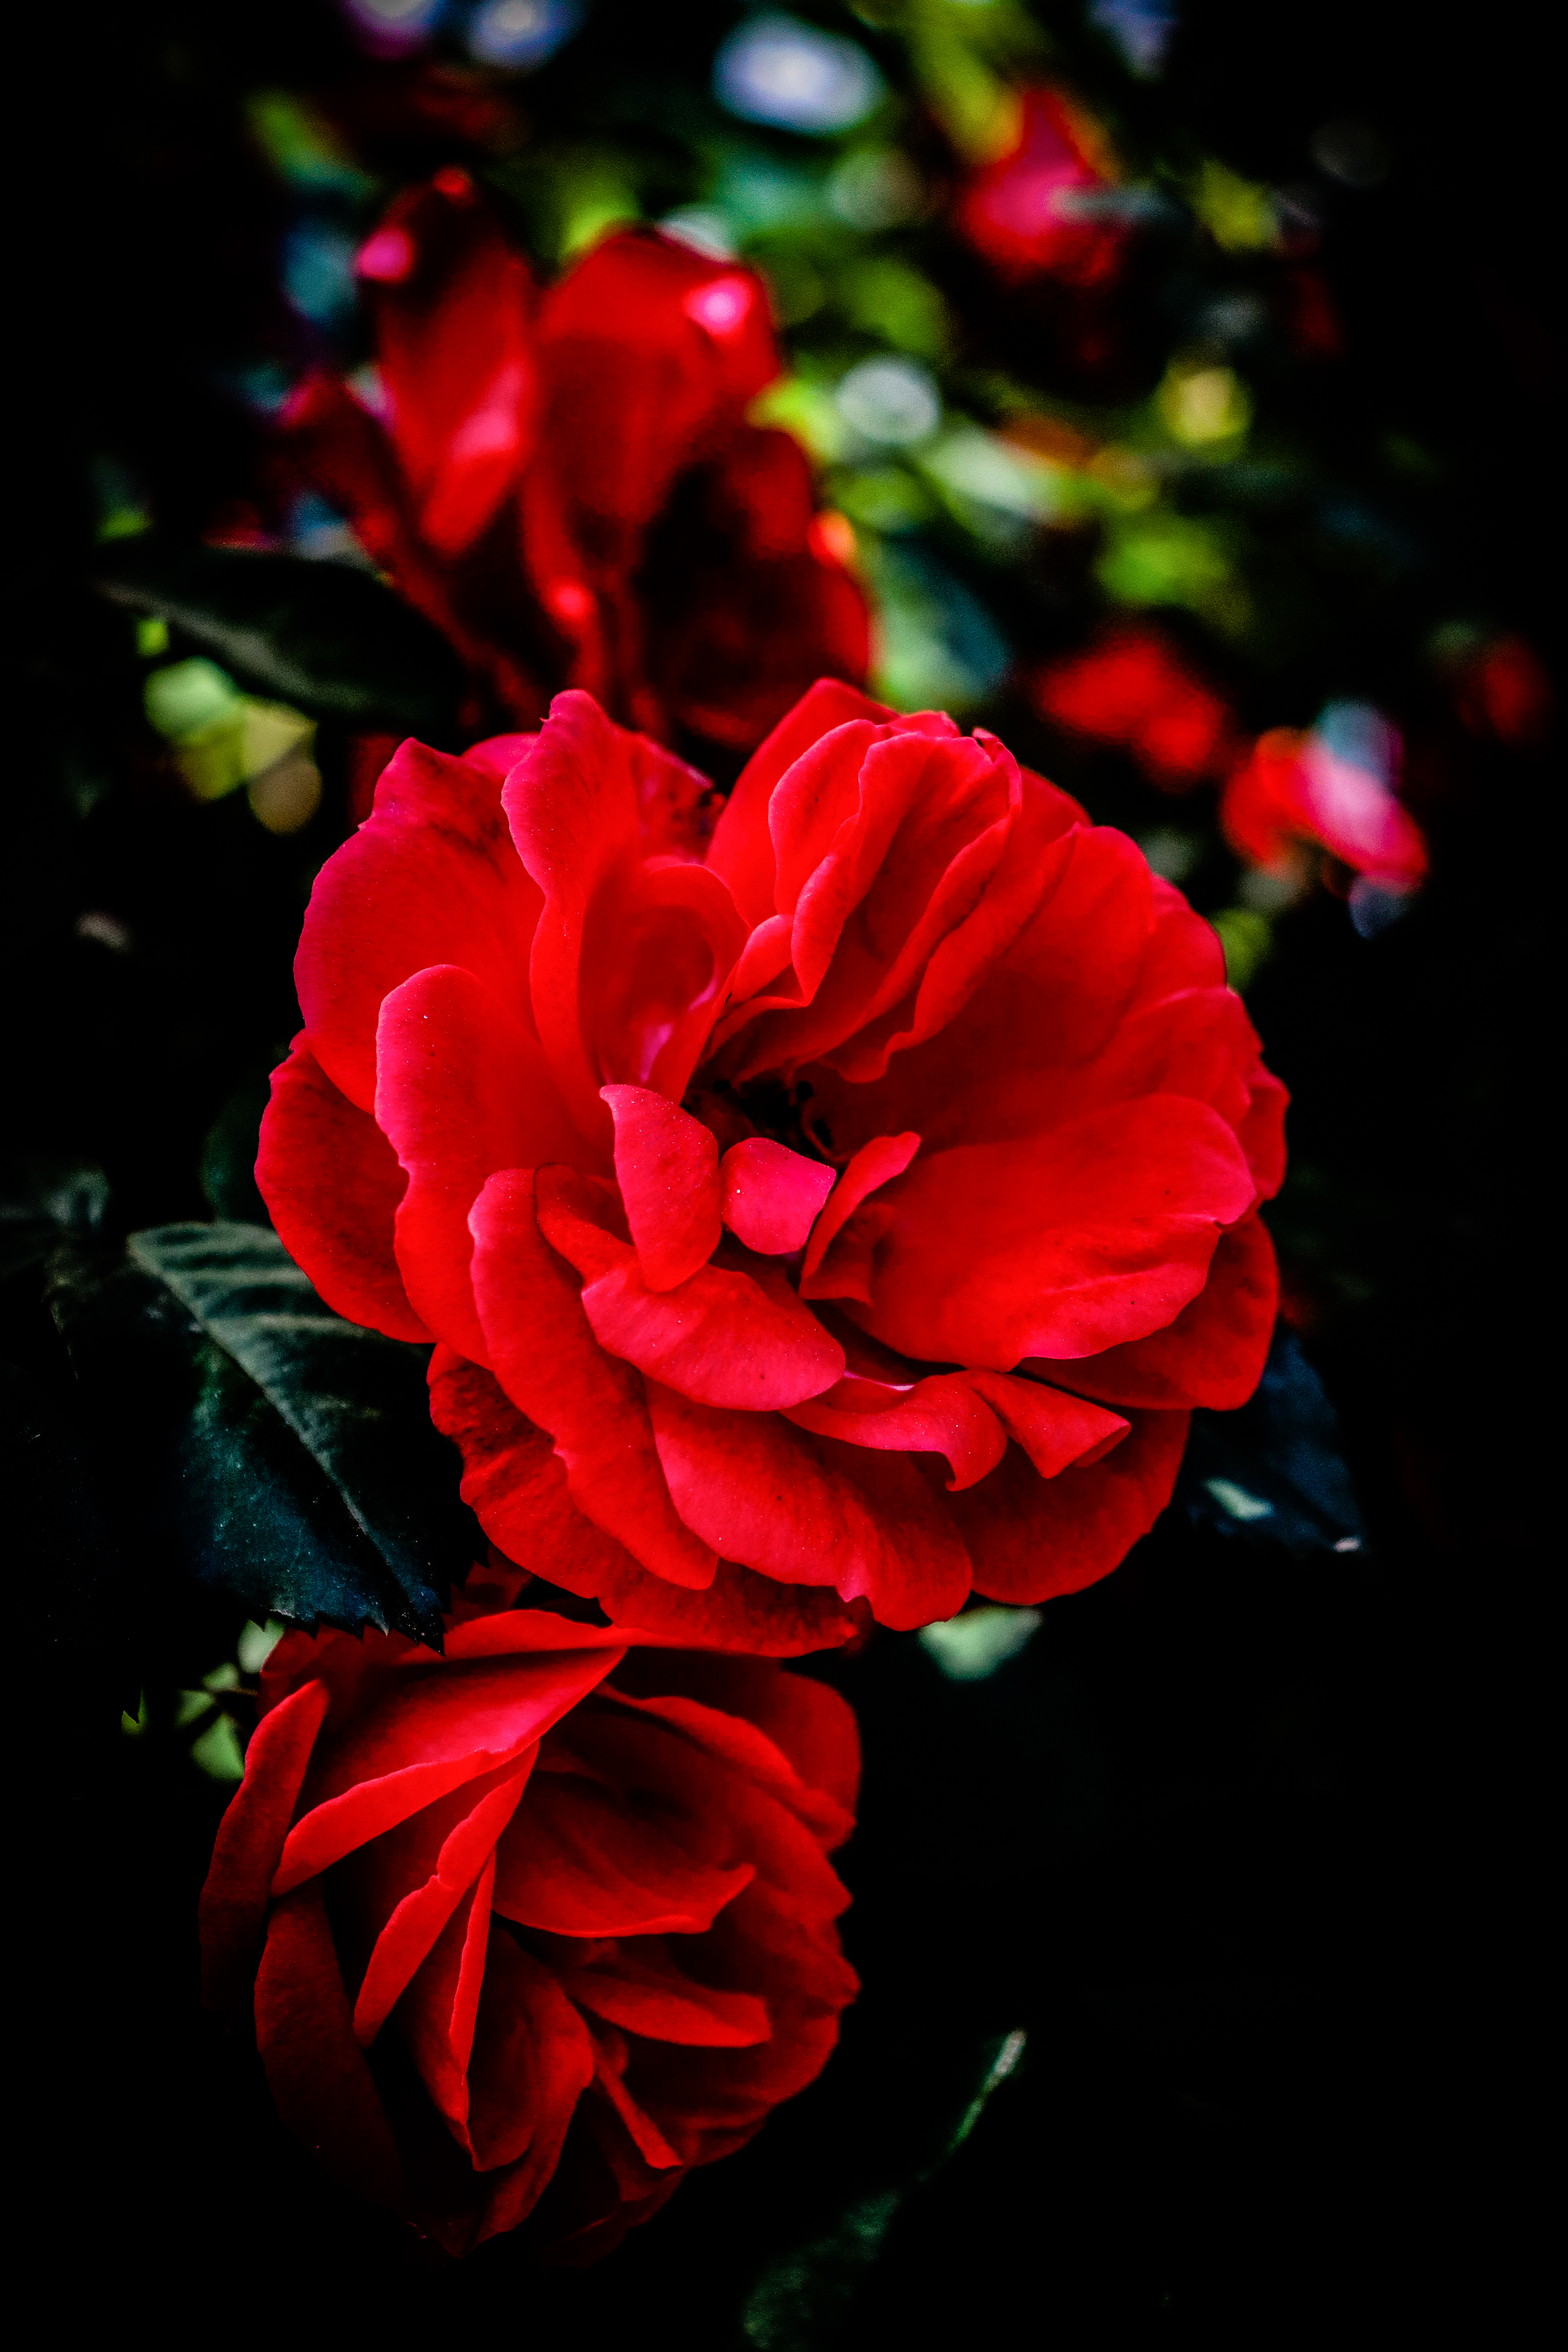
1251,1847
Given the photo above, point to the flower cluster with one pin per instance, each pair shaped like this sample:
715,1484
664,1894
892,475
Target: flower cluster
823,1204
567,484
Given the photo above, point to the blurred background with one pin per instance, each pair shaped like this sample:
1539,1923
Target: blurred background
1182,389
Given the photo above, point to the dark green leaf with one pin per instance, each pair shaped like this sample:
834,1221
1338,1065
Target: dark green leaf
801,2300
278,1455
328,638
228,1153
1274,1472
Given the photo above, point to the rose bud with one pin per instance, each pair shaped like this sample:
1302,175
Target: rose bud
566,483
542,1923
841,1220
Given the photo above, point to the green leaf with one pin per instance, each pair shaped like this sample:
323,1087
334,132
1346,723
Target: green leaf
1274,1472
250,1439
217,1751
228,1151
329,638
802,2299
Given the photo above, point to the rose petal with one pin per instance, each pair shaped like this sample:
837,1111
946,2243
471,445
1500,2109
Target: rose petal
704,1708
667,1167
725,1337
974,914
969,1416
810,1725
578,1863
555,1372
1056,1433
875,1164
888,840
940,1415
800,1509
440,2008
741,850
729,1334
1212,1354
572,808
642,1990
532,2058
1097,1232
514,1483
332,1184
659,1754
770,1196
1032,1539
661,947
651,350
456,348
320,2085
462,1090
416,1920
611,2054
431,877
1005,1064
249,1843
424,1737
1262,1131
629,961
497,755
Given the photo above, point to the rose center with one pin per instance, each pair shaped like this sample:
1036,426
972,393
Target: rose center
765,1107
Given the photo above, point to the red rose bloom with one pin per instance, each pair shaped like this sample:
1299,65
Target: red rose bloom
542,1920
1298,788
567,484
1132,689
847,1216
1037,211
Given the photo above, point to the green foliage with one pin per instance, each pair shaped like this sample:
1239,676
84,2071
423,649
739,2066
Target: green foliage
328,638
254,1443
803,2299
1275,1472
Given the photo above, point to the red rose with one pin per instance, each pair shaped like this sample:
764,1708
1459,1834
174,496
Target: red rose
850,1215
566,485
1132,689
543,1920
1307,788
1038,211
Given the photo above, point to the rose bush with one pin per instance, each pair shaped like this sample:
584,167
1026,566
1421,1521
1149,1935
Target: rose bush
567,484
839,1217
542,1923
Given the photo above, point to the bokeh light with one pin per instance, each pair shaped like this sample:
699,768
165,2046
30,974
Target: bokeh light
777,70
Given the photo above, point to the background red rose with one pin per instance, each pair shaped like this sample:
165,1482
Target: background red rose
1298,787
1033,212
1133,689
566,483
850,1216
542,1920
